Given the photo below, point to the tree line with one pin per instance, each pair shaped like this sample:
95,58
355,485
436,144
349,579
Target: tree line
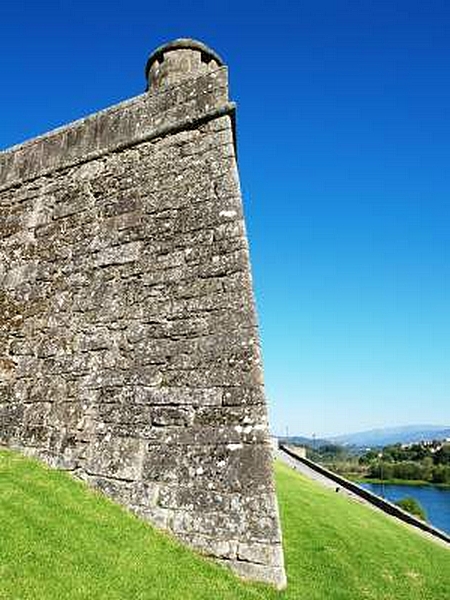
424,462
429,462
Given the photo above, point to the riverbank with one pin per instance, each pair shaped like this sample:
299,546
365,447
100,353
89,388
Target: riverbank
406,482
433,500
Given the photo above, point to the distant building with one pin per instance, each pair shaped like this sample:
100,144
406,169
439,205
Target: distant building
300,451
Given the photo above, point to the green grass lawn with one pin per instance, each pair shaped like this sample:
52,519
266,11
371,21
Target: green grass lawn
59,540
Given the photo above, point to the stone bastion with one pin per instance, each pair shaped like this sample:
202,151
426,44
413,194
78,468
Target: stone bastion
129,347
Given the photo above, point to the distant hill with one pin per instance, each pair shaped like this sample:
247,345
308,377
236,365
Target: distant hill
393,435
299,440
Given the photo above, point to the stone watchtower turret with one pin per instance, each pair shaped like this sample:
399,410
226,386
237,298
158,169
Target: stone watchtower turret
130,354
179,60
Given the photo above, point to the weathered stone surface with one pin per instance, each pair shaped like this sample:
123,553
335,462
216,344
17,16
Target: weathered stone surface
129,348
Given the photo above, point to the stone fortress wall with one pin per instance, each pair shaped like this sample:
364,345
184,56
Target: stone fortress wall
129,349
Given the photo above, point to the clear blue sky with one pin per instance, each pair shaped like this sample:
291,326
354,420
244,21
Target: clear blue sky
344,148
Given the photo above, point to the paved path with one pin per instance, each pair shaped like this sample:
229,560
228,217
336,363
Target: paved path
315,476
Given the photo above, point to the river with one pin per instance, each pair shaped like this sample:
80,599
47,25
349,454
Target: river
435,501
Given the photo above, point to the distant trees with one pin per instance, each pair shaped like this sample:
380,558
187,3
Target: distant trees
441,474
413,507
427,461
339,459
442,456
424,462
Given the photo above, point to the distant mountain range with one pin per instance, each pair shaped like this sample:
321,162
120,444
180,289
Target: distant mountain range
393,435
300,440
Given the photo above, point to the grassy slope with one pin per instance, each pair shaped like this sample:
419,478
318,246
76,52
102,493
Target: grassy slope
61,541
